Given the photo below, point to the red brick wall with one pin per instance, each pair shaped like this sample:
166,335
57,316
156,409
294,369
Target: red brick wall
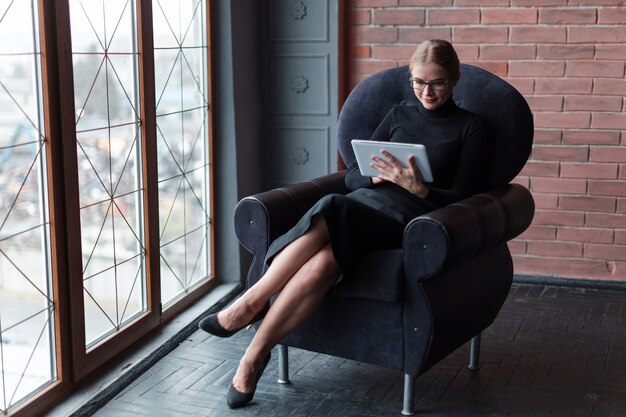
567,57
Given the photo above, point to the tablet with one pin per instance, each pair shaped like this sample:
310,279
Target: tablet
365,149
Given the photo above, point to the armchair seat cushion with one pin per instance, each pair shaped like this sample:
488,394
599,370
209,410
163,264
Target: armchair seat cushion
379,277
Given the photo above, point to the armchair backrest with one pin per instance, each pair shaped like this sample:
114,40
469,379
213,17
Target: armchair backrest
509,117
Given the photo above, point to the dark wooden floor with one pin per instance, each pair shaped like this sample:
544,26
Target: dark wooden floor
553,352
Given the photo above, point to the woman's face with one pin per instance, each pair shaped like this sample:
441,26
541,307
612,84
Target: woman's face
432,84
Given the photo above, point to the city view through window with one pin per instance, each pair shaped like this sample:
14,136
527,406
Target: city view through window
111,177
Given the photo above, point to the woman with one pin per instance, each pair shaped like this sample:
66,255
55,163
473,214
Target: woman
320,251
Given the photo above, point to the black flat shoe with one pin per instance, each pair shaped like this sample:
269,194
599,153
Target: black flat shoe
210,324
236,399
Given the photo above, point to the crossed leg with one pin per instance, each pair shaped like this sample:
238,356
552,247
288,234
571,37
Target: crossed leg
303,272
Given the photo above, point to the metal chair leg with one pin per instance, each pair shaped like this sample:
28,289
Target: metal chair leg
283,364
409,385
475,352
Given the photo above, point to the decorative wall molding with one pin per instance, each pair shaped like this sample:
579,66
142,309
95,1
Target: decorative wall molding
300,156
299,153
297,9
299,21
299,84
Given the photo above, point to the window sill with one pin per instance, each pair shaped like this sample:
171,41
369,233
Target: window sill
99,389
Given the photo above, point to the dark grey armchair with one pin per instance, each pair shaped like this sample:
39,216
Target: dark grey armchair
411,307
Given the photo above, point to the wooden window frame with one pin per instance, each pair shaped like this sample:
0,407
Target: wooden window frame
73,361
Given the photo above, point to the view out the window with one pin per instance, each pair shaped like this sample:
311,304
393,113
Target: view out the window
180,58
108,138
110,255
26,304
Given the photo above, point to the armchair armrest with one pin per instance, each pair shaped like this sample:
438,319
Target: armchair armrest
458,271
448,236
261,218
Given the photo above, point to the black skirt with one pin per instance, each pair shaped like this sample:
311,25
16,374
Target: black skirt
363,221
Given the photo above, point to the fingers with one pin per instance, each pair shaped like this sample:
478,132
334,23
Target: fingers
390,162
389,167
407,177
391,159
381,165
414,169
377,164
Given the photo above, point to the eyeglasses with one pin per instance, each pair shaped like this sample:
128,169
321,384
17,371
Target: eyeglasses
436,85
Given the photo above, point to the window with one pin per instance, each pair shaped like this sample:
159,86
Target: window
182,114
27,310
109,156
105,183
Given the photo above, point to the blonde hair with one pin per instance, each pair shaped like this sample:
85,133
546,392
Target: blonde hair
439,52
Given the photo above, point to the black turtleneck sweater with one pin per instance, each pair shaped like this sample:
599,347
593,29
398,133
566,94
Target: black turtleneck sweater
456,145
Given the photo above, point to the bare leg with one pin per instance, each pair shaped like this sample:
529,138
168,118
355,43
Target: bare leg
299,298
284,266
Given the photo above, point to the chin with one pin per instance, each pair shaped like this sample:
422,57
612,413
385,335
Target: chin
431,105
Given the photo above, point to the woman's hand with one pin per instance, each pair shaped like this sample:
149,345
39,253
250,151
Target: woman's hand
391,170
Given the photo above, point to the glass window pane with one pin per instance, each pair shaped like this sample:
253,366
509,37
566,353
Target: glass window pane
180,54
108,132
27,345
